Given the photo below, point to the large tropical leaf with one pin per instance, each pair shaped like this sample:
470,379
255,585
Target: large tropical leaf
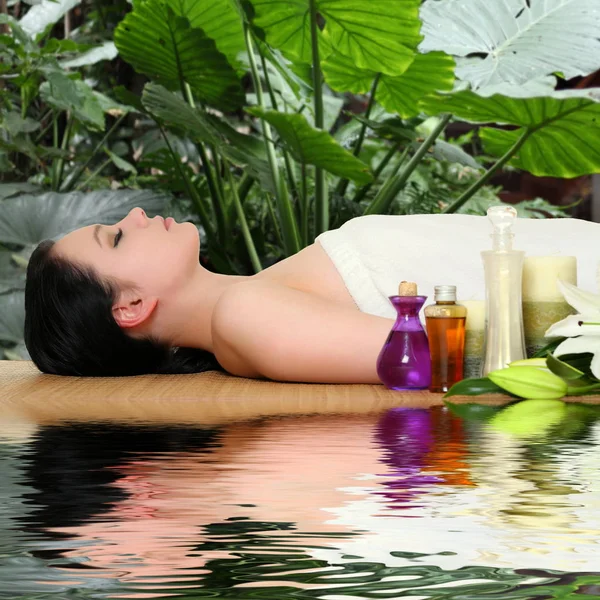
11,276
379,35
12,317
27,220
514,41
219,19
165,47
314,146
240,149
564,128
397,94
45,13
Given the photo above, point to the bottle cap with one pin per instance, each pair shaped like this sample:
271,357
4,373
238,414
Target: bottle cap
407,288
445,293
502,218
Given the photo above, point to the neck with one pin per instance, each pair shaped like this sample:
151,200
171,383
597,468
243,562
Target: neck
185,319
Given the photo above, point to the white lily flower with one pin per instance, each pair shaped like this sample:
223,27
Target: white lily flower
583,329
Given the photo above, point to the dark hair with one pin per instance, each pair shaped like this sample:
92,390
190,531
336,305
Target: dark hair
70,328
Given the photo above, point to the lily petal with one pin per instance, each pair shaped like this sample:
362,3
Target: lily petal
578,345
570,327
583,302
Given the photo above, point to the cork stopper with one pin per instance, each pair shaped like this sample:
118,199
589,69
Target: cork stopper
407,288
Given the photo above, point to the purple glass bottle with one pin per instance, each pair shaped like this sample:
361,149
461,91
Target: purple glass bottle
404,362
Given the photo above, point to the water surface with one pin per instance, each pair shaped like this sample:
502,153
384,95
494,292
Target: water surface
404,503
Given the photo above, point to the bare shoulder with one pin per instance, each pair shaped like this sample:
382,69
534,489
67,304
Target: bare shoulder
234,316
262,328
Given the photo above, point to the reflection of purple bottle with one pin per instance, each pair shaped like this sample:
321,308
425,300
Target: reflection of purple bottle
405,436
404,362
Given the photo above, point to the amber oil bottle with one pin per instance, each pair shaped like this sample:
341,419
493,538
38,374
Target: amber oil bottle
445,322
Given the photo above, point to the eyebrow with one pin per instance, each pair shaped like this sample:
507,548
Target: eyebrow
96,236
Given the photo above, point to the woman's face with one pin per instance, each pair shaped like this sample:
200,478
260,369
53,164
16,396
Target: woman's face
155,256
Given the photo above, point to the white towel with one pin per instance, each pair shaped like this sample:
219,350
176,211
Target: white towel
374,253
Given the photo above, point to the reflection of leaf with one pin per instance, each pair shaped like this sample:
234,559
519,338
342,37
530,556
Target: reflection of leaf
530,418
28,220
472,411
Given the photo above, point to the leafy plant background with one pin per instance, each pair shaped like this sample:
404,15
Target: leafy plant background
266,123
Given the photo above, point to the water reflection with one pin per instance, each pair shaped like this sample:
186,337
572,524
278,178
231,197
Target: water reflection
362,506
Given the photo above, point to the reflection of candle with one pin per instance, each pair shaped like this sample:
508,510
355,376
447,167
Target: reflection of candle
543,303
474,336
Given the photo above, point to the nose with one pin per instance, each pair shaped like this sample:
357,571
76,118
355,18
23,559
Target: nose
137,216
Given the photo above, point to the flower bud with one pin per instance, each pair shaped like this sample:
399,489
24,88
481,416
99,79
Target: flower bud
529,382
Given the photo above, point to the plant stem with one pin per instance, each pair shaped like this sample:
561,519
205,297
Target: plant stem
362,192
304,205
60,163
274,220
284,205
215,196
321,198
343,183
286,156
94,173
74,177
489,173
382,202
243,222
192,191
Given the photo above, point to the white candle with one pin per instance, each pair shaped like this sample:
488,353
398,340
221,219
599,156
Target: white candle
475,314
474,337
540,274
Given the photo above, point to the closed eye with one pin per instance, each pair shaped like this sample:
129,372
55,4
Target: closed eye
117,238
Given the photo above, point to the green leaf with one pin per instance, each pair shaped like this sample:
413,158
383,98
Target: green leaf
166,48
514,41
12,317
27,220
474,387
473,411
240,149
15,124
397,94
107,51
564,128
563,369
219,19
314,146
391,129
11,276
378,35
120,163
444,151
64,93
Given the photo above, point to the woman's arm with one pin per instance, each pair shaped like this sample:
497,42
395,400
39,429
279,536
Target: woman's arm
264,329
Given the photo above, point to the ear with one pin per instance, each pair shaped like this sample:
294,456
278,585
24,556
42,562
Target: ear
133,310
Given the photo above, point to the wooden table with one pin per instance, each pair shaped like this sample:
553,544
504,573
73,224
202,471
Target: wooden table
209,398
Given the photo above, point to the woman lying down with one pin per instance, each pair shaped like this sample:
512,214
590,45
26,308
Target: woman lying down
132,298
